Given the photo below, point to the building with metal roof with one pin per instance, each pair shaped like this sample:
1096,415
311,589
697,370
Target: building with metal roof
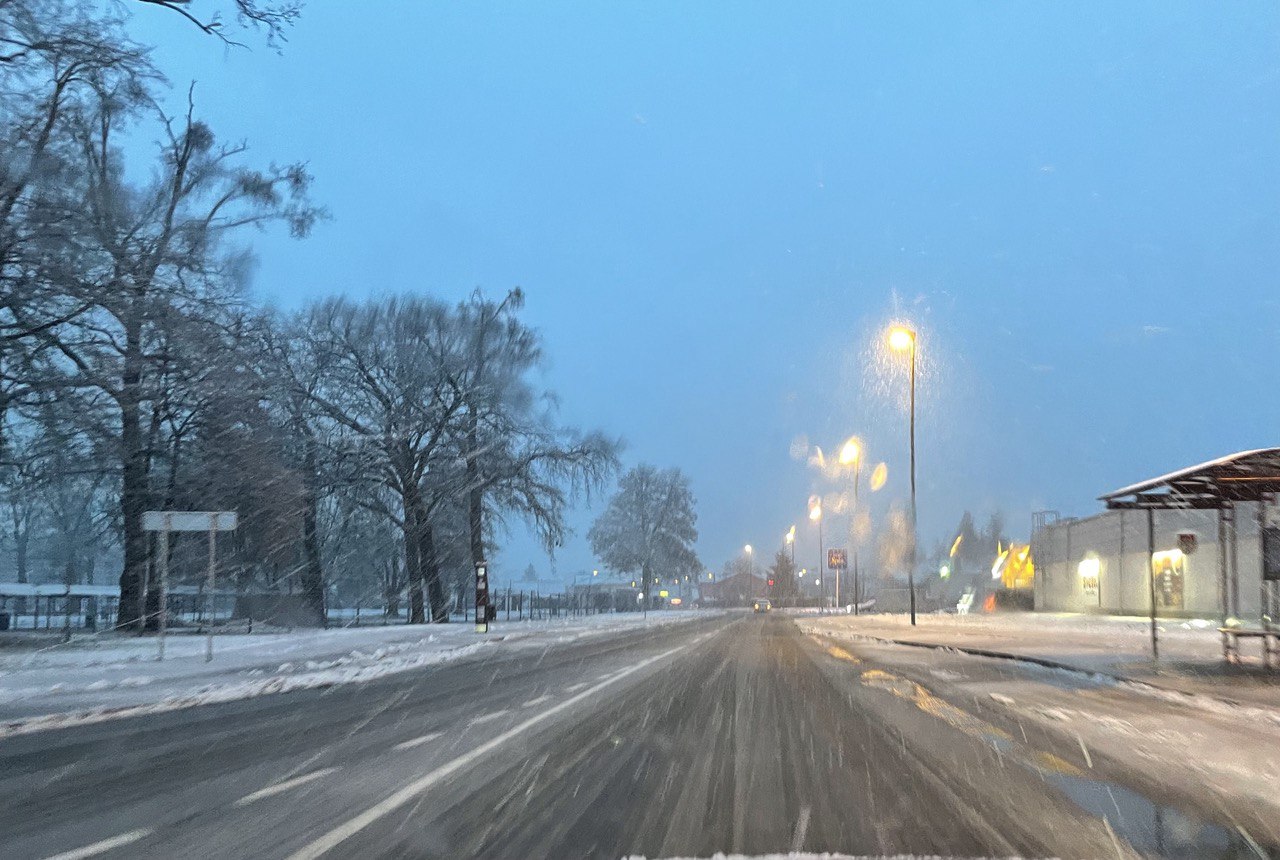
1199,541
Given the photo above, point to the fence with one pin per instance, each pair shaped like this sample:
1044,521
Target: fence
25,607
95,607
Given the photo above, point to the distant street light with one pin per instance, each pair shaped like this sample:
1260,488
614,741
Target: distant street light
815,514
791,542
851,455
902,339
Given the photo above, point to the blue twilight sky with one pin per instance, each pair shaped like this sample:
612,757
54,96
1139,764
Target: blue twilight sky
715,208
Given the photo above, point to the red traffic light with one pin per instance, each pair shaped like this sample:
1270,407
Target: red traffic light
771,583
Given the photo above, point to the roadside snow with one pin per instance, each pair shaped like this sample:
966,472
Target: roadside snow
1190,723
1114,646
111,675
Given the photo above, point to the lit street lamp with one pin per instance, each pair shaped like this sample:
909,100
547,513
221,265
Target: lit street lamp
791,542
851,455
751,563
902,339
815,514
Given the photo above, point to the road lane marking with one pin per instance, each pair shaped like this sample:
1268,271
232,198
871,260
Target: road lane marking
417,742
932,705
802,828
104,846
545,697
573,688
484,718
280,787
406,795
841,654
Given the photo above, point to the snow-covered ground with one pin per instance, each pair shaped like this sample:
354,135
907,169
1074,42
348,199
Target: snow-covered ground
97,677
1190,650
1184,745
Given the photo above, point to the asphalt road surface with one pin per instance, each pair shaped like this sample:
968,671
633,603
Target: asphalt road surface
737,734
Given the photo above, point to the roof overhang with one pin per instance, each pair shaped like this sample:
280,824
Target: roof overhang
1248,476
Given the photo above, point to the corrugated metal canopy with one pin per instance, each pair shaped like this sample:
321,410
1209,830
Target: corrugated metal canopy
1243,477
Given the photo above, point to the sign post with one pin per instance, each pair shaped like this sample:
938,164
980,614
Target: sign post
187,521
838,560
482,597
163,563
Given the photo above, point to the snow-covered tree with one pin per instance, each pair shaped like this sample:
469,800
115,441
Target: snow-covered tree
649,527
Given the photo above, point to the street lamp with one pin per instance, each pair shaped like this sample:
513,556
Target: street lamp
791,542
902,339
815,514
751,563
851,455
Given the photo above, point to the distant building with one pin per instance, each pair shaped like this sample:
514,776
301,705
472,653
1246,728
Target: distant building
737,590
1200,542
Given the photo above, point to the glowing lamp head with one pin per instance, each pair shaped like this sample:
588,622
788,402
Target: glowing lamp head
815,513
850,453
747,549
791,535
901,339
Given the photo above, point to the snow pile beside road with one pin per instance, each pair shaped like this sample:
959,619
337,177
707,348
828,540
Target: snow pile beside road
797,855
1115,647
341,671
118,675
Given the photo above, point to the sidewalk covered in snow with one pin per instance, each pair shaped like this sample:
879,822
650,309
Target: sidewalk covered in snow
1116,646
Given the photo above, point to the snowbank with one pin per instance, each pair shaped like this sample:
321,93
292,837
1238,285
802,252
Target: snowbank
100,677
1117,646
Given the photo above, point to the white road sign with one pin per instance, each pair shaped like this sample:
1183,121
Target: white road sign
189,521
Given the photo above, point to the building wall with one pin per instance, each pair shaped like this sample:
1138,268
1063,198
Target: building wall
1118,539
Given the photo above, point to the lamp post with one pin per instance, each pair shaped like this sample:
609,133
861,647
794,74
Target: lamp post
902,339
751,565
815,514
851,455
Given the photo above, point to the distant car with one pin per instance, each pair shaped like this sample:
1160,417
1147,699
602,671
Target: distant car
761,605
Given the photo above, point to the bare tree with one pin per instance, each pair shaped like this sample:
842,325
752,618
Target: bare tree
273,16
388,388
146,257
57,58
517,460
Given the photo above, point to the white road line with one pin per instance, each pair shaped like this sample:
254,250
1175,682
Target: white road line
104,846
573,688
545,697
272,790
417,742
484,718
802,829
404,796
